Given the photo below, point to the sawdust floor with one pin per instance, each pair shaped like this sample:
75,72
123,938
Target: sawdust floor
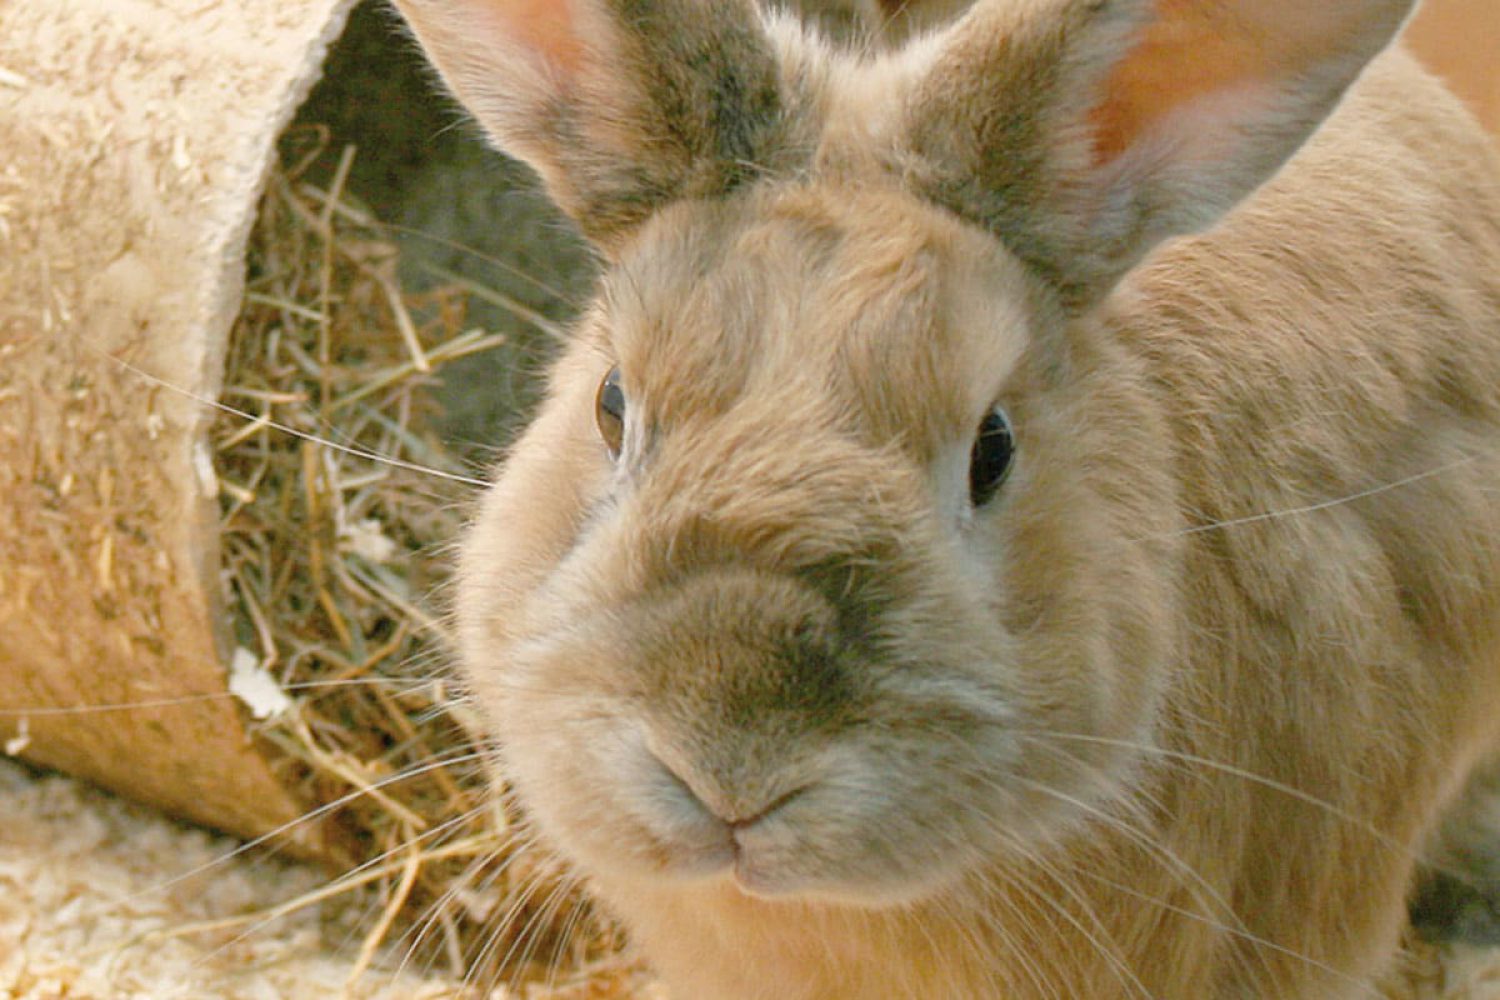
92,888
95,894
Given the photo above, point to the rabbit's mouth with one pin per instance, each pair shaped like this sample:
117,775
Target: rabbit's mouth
837,839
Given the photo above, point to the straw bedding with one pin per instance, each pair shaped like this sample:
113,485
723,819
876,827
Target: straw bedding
339,502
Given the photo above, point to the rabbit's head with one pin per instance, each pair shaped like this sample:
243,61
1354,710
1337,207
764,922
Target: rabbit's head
840,561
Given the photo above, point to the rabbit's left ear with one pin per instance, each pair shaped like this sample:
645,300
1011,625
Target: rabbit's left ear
1083,132
619,105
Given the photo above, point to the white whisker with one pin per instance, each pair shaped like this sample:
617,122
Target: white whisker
294,432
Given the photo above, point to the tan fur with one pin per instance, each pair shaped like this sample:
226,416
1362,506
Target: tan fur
1173,716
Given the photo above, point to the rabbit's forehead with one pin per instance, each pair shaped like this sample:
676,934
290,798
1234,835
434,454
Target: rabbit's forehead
870,304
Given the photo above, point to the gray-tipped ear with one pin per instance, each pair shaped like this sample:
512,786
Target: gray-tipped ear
619,105
1083,132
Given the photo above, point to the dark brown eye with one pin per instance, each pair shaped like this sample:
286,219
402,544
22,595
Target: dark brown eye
609,412
989,461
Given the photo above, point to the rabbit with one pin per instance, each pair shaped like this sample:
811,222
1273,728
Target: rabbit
1019,517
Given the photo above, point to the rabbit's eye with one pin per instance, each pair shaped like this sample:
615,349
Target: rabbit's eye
609,412
989,462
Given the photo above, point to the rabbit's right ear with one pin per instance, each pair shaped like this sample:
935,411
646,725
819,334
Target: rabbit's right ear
1083,132
619,105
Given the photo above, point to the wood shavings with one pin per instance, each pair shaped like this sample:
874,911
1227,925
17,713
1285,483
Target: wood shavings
254,685
88,884
19,742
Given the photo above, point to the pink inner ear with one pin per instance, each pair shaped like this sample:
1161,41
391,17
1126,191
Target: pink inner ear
1185,55
544,27
1197,49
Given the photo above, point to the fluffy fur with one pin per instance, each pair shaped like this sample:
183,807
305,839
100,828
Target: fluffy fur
1174,714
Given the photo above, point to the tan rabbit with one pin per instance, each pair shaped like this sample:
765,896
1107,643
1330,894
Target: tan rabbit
910,589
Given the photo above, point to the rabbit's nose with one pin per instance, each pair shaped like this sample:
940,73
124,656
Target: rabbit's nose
741,652
732,802
706,823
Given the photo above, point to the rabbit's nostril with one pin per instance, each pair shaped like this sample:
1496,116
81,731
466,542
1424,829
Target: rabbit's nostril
739,825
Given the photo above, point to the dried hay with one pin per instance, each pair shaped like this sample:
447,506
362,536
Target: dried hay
338,505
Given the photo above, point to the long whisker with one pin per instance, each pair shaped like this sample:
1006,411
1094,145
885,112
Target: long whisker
368,221
518,844
1237,930
577,914
1238,522
1291,791
366,873
356,452
411,684
542,917
1254,939
503,927
1143,840
442,760
1127,976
